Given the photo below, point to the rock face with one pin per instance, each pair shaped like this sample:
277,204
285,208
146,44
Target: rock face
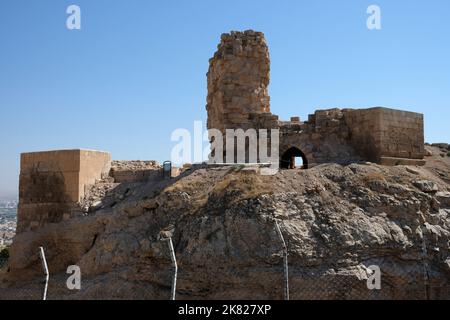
426,186
337,222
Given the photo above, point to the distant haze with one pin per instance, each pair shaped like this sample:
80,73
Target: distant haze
8,195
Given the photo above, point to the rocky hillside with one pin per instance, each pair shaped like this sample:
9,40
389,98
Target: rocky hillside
336,220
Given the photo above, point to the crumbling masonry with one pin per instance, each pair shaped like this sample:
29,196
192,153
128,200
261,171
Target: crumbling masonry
238,98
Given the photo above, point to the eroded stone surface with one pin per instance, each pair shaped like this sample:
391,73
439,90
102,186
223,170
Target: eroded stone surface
337,221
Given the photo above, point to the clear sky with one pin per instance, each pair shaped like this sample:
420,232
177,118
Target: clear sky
136,69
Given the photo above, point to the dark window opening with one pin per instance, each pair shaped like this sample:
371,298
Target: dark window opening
293,158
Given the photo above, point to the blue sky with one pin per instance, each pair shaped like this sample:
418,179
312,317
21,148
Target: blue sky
136,69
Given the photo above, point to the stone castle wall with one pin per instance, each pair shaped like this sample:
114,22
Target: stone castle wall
238,98
52,181
135,171
402,134
380,133
364,126
54,184
323,138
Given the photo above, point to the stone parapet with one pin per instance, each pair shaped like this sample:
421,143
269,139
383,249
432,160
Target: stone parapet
135,171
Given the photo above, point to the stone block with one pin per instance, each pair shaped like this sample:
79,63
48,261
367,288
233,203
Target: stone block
51,181
390,161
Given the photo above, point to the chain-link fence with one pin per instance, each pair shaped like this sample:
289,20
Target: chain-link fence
408,282
388,278
32,291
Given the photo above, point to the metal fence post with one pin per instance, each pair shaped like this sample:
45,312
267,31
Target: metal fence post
175,268
425,264
285,260
44,266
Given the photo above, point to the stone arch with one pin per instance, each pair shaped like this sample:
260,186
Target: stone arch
287,159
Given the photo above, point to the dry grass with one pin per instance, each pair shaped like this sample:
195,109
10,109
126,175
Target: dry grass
373,176
242,185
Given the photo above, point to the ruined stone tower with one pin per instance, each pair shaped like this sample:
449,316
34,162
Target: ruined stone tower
238,80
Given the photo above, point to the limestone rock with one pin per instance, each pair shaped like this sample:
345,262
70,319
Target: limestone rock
443,198
336,220
95,206
426,186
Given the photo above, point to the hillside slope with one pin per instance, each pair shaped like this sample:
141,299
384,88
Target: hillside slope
337,221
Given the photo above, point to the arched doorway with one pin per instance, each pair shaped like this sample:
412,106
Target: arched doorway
293,158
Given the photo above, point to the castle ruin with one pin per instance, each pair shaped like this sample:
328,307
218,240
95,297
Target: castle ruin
238,98
53,183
